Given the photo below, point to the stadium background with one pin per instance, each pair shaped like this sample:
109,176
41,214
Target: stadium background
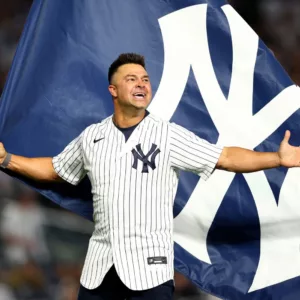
42,247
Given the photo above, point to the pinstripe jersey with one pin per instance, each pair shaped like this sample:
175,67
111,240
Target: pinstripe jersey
133,185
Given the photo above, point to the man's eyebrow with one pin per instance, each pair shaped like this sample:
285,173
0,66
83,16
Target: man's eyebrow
130,75
133,75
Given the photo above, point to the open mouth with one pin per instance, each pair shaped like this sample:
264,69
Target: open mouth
139,95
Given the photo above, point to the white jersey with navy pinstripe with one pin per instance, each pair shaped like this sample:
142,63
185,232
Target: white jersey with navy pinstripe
133,185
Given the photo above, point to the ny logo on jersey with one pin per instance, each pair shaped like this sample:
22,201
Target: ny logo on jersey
138,154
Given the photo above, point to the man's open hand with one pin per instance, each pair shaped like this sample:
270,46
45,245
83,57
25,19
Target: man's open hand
3,153
289,155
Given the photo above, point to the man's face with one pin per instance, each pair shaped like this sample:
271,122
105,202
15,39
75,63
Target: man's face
131,87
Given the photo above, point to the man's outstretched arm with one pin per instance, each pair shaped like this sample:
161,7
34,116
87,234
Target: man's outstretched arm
39,169
241,160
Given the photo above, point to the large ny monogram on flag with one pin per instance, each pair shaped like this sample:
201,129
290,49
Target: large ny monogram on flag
236,124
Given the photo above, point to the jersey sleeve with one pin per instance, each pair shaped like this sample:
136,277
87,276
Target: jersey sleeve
188,152
69,163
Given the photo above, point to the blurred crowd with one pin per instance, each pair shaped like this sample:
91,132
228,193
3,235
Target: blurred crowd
277,23
42,247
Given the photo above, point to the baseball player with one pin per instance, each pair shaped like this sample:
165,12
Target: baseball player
132,159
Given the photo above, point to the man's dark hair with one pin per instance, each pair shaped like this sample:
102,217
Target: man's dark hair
123,59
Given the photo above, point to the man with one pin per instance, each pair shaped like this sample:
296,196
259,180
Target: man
132,159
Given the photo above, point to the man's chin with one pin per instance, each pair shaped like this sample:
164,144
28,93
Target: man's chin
141,106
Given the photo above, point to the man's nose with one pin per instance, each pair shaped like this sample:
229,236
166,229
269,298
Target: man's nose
141,84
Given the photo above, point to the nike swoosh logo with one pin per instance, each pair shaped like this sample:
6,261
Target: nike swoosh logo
96,141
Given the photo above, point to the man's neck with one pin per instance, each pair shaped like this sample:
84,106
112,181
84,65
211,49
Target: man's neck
129,119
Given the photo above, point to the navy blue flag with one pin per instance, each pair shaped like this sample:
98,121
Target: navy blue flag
236,236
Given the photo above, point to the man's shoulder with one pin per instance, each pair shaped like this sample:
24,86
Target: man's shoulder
171,126
99,125
95,129
157,120
162,121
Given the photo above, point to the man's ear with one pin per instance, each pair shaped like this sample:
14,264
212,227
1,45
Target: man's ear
113,91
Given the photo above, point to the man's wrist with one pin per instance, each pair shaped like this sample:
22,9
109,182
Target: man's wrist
4,164
278,158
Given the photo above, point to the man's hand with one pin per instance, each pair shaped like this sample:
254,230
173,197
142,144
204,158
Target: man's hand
289,155
240,160
3,153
